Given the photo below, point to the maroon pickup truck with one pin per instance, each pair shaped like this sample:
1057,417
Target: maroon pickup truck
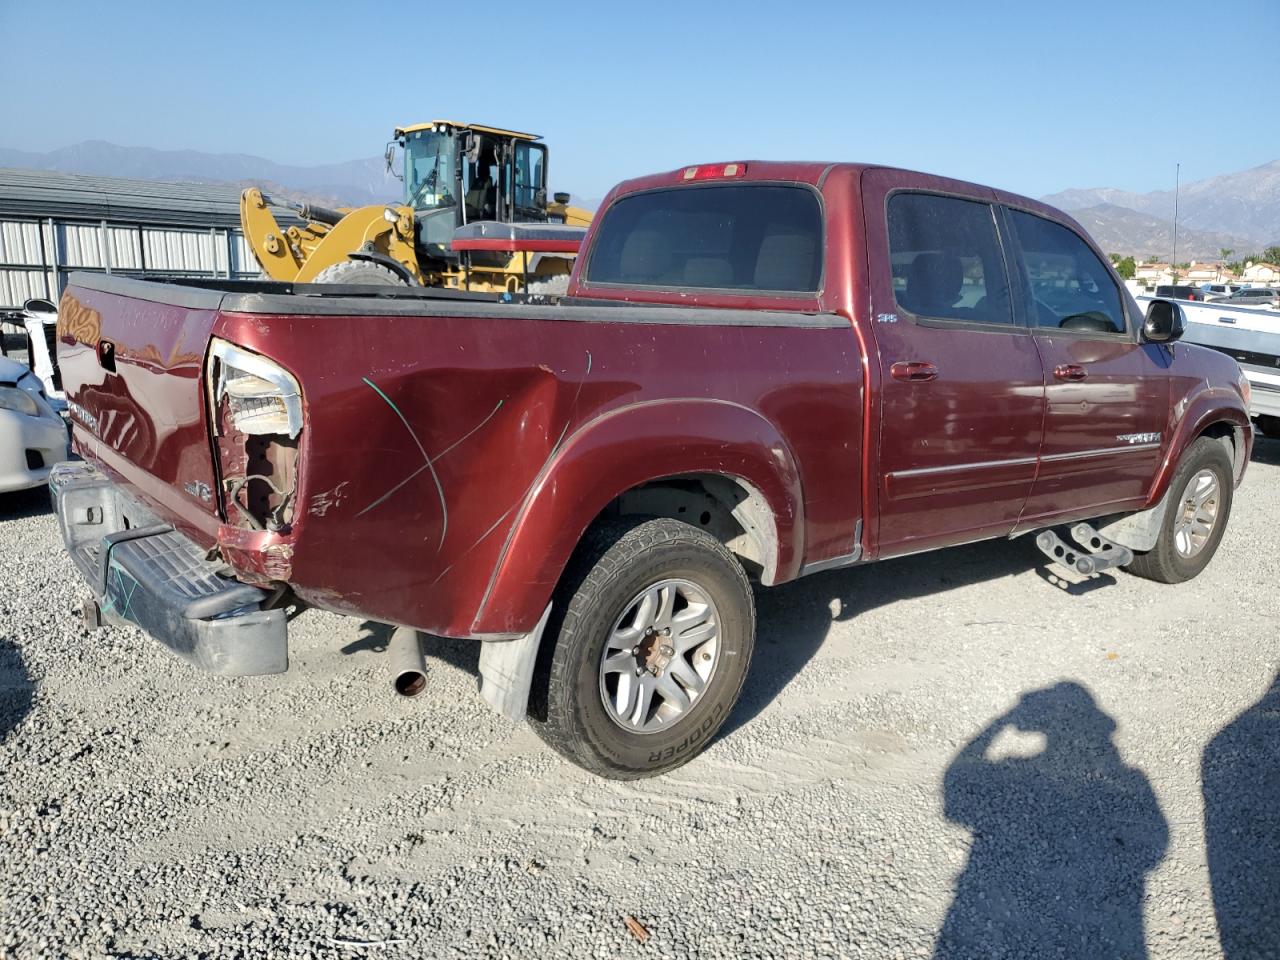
759,371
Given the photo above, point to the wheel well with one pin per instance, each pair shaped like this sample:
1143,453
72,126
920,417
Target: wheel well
1232,438
728,508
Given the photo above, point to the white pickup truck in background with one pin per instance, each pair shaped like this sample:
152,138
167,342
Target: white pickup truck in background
1250,335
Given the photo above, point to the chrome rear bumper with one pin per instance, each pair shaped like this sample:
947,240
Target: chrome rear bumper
144,573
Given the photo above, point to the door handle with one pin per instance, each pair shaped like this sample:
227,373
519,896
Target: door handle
1071,372
913,371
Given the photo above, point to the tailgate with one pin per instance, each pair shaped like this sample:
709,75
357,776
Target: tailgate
131,355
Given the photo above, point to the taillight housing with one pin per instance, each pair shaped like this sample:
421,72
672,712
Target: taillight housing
257,418
262,397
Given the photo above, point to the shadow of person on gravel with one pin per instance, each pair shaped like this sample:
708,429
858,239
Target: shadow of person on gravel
1062,839
794,619
16,688
1240,771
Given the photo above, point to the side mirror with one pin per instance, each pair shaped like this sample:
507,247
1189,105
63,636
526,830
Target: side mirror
40,307
1165,322
471,147
562,199
390,157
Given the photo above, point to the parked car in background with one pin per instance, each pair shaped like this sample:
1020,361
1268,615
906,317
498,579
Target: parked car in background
1249,336
1251,297
1214,290
38,318
33,437
1180,292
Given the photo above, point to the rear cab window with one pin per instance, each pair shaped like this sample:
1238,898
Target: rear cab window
947,260
761,237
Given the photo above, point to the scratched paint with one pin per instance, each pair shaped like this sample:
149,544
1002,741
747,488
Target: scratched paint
323,502
427,465
573,406
431,461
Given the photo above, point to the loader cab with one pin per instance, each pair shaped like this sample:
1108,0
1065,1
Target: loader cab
456,174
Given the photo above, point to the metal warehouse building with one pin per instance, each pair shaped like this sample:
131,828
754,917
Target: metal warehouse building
54,223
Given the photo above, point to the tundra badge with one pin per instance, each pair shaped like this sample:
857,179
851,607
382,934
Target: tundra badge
1138,437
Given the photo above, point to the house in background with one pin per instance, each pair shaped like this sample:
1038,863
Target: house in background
1153,274
1261,274
1201,273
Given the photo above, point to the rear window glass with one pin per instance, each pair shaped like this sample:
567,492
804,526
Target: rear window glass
946,259
735,237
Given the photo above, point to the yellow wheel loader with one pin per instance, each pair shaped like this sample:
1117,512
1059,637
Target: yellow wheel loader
475,217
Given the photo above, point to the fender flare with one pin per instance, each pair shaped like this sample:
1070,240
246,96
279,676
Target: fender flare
616,452
1204,409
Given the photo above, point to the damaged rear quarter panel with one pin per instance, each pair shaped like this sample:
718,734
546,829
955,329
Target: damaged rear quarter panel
428,439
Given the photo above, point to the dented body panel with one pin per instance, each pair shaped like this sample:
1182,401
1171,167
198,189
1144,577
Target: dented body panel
423,489
452,453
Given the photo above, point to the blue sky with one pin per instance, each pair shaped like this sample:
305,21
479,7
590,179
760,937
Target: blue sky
1029,96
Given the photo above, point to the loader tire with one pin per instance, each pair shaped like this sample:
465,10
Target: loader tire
549,286
360,273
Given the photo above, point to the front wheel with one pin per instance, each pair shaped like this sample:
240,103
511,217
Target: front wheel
1196,518
651,650
362,273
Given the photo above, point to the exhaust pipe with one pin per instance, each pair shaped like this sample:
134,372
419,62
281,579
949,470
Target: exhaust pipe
408,665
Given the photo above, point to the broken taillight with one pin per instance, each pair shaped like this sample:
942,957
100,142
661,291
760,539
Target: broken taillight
256,408
263,398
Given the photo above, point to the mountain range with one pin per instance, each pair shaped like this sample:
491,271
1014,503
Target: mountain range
1236,211
354,183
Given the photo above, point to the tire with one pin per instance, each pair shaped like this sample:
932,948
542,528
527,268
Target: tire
1269,426
615,569
1179,553
549,286
362,273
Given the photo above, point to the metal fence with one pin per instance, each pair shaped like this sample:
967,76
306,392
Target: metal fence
55,223
37,255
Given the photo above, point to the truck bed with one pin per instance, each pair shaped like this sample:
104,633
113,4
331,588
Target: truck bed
322,299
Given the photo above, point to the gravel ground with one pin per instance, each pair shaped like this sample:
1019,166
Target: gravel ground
958,754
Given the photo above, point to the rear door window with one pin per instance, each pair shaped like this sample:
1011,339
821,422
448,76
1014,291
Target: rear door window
1070,289
722,237
946,259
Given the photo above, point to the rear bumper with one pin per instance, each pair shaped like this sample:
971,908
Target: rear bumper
143,573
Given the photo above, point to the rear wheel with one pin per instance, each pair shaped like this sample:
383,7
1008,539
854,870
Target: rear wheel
650,653
1269,426
1196,518
364,273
